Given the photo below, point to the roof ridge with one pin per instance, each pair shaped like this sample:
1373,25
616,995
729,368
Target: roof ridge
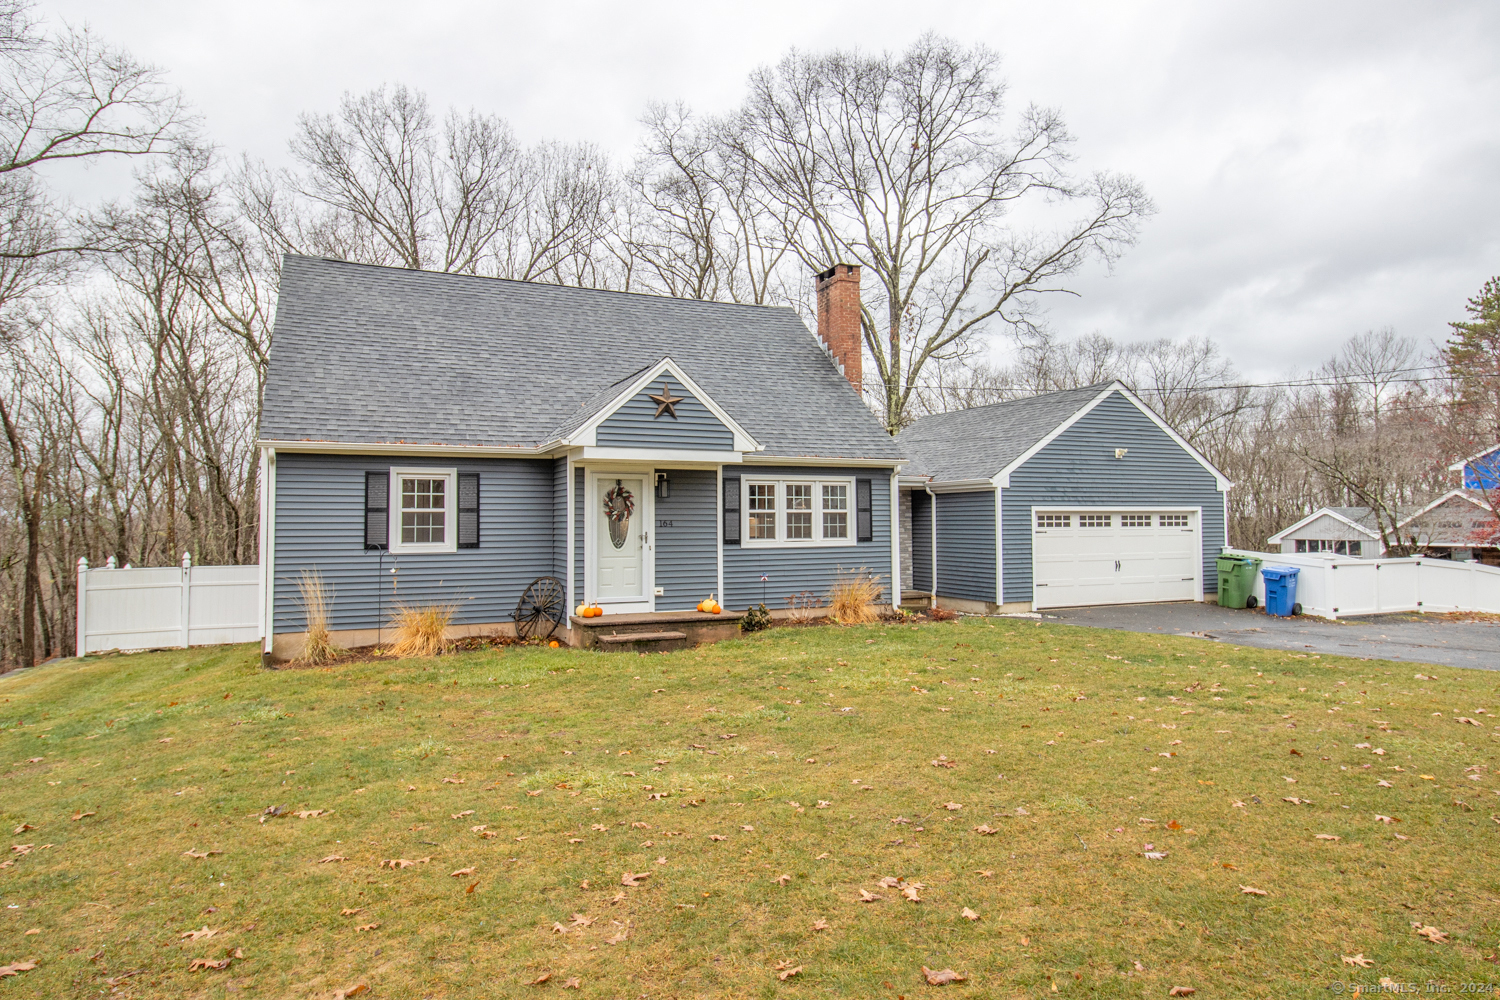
528,284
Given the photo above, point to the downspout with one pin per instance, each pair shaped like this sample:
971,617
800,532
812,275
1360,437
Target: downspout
932,506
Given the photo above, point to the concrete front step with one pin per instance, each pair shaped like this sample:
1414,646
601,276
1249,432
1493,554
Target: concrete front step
660,631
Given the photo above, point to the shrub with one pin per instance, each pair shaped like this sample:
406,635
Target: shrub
853,595
804,606
419,631
316,597
757,618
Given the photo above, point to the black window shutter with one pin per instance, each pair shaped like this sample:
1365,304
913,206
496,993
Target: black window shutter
377,509
468,510
732,509
864,518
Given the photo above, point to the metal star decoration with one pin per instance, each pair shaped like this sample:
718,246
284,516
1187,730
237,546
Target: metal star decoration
666,402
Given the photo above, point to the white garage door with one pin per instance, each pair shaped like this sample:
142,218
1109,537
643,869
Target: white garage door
1081,557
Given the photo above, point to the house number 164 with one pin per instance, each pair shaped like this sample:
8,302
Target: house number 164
663,524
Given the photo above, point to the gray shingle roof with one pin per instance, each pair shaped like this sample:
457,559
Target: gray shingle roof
367,355
977,443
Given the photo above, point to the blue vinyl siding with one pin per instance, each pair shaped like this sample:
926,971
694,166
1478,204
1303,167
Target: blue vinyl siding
921,541
687,538
560,519
1080,467
580,586
320,526
793,571
966,545
636,425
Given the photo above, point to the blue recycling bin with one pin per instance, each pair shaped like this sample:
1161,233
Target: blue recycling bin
1281,590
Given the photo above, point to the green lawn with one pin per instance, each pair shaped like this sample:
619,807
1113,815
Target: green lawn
762,784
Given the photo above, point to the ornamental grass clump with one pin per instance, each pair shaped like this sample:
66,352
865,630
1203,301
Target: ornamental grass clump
316,597
420,631
853,596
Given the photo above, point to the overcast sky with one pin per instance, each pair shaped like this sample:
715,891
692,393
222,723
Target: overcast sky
1320,168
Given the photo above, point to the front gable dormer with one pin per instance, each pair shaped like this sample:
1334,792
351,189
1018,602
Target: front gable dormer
662,412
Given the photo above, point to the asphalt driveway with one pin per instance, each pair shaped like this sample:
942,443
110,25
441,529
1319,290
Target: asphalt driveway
1409,637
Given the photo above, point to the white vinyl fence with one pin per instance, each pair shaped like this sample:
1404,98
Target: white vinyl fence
1338,586
150,608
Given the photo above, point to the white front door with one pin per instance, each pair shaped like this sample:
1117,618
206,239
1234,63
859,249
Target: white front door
620,543
1083,557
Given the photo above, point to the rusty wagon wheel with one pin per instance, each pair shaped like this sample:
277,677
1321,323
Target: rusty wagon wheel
541,608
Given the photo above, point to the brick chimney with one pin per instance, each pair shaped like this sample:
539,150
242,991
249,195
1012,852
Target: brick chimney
838,319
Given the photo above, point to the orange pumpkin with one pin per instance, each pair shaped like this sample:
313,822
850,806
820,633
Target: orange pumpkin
554,644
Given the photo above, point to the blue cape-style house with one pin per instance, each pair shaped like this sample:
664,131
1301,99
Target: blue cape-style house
441,439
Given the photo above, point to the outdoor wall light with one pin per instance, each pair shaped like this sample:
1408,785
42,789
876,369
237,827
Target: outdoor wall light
663,487
1120,452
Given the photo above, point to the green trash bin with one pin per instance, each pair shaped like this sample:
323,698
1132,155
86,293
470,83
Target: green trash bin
1237,580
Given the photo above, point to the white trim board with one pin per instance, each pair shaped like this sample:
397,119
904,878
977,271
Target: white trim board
587,434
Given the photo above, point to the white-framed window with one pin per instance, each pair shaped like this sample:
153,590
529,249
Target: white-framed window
1135,520
1054,521
1093,520
1174,521
798,512
424,505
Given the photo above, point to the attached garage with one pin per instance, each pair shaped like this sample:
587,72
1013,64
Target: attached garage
1073,498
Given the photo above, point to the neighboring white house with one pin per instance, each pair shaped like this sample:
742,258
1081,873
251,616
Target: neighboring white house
1457,525
1344,531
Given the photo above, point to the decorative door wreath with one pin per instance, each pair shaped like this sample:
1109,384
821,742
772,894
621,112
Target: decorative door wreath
619,504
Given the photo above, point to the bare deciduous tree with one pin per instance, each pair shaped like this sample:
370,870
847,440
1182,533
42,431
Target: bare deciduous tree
902,164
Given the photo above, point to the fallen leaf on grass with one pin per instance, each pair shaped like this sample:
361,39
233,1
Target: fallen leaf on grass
1296,801
539,980
310,813
1430,933
868,897
821,925
202,932
35,760
203,963
352,991
579,920
80,815
600,827
402,862
1252,891
943,762
453,781
786,974
332,858
575,840
350,911
15,968
748,829
1358,959
783,879
985,830
1387,820
910,892
572,983
632,879
34,930
558,928
952,806
23,828
618,938
466,812
1464,719
472,887
366,927
984,872
889,882
1181,991
968,914
199,854
1154,855
1326,836
937,977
